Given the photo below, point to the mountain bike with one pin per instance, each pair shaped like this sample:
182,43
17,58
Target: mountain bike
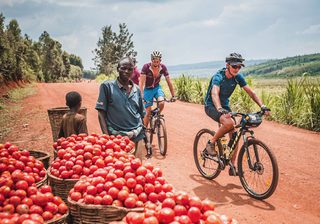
257,165
157,127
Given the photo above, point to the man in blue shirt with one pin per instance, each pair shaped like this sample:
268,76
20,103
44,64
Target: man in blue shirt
120,106
221,87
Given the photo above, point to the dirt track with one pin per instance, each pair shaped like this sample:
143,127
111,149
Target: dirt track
296,199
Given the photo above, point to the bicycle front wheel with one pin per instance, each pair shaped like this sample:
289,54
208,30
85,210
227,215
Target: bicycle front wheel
206,165
162,136
258,169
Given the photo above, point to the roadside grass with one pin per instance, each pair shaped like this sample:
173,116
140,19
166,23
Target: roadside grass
10,104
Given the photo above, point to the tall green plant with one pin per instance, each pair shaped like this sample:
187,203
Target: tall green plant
184,88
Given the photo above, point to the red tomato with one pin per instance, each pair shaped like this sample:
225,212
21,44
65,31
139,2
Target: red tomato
151,220
207,205
36,209
51,207
135,164
91,190
75,196
22,184
47,215
130,202
113,192
14,200
107,200
45,189
180,210
166,215
63,208
213,219
123,195
168,203
194,214
22,209
195,202
131,183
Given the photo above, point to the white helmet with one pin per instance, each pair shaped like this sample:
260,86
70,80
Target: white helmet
156,54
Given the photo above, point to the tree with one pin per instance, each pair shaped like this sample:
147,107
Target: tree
75,60
112,47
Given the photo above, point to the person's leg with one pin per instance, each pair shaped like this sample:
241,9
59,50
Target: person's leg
148,96
159,94
141,150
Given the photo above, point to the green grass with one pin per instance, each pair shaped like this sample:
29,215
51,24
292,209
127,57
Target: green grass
10,104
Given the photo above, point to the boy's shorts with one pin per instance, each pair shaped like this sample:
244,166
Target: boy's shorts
151,93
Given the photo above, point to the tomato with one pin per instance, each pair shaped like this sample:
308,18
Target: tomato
150,178
213,219
143,197
45,189
119,173
89,199
22,209
32,190
101,173
107,200
36,209
113,192
166,215
168,203
123,195
207,205
8,208
75,196
153,197
195,202
141,180
138,189
27,201
136,163
148,188
180,210
137,218
51,207
91,190
194,214
63,208
97,200
130,202
14,200
167,187
21,193
131,183
47,215
151,220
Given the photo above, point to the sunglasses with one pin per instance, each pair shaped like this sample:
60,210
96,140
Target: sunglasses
236,66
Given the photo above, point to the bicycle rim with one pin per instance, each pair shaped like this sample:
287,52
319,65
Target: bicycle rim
162,137
208,168
260,181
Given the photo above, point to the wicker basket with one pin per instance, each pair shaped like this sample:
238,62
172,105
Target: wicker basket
62,220
61,187
55,117
42,182
98,214
42,156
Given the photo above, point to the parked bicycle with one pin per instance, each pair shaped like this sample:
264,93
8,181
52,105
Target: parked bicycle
257,165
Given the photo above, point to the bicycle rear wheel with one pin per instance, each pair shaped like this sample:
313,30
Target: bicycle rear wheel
162,136
207,165
258,169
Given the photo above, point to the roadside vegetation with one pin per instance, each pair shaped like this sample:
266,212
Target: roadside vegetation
9,104
294,101
25,60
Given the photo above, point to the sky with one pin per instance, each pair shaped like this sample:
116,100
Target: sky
185,31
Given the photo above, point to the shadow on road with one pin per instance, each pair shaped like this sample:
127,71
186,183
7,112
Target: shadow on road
226,194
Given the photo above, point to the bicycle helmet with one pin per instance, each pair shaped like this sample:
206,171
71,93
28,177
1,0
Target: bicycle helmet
156,54
235,59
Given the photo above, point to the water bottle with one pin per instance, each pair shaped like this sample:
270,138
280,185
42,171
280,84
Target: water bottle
225,146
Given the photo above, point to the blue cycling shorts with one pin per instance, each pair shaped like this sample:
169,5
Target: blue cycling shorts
151,93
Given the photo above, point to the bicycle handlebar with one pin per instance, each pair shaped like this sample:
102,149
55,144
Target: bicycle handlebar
164,100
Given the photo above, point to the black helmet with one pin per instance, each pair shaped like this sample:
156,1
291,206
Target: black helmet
235,59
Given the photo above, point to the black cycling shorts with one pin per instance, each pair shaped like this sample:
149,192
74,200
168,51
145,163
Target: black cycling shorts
212,112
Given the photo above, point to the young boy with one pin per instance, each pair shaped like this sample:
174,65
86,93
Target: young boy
72,121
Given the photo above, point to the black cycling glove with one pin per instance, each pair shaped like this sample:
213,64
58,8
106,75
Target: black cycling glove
223,111
264,108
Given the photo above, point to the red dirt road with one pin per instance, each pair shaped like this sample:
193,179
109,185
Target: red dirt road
296,199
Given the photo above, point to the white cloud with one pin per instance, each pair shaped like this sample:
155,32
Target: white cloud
313,29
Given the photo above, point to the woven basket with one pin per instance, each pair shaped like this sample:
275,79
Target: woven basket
42,182
62,220
42,156
61,187
98,214
55,117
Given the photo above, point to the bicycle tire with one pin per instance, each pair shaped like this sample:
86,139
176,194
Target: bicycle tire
255,151
162,136
202,137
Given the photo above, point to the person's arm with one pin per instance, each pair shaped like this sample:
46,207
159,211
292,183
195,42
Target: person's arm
256,99
215,91
142,83
102,116
170,86
61,132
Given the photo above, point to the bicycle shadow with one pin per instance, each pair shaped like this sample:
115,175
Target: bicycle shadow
222,194
156,153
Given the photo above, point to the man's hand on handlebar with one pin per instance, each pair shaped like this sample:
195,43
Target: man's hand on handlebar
173,99
265,110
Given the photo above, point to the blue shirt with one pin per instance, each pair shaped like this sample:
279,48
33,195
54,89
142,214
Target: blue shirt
124,111
227,86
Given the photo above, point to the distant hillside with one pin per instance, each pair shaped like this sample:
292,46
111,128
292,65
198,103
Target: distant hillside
203,69
287,67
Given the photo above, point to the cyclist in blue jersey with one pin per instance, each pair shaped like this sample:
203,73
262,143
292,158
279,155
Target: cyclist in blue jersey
221,87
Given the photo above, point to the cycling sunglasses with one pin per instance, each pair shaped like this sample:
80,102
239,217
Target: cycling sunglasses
236,66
